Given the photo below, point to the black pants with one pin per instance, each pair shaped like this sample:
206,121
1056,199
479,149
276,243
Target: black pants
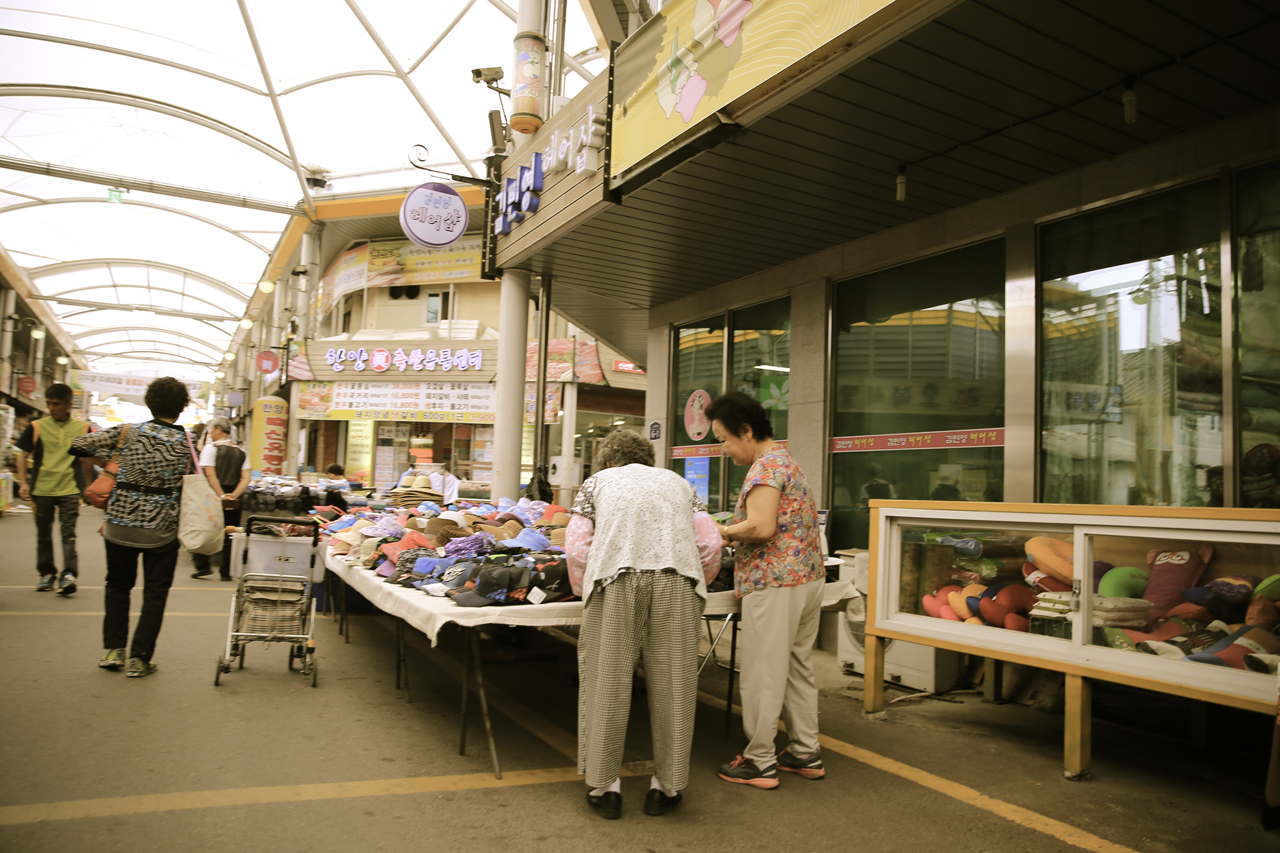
68,508
122,573
230,518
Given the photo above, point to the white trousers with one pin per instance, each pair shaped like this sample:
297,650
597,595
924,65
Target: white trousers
779,629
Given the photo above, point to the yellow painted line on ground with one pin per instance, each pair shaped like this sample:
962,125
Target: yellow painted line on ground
148,803
224,614
1017,814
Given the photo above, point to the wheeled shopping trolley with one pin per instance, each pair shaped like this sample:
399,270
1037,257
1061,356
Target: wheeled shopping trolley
273,601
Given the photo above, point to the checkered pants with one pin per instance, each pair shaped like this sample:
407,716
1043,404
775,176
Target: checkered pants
657,614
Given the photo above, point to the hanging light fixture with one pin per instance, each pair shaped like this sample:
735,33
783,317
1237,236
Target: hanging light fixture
63,360
902,183
267,285
228,357
219,373
1130,99
246,323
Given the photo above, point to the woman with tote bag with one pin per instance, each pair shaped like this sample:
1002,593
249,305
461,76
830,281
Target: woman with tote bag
142,521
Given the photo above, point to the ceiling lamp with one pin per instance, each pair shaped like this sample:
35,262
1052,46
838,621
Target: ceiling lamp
266,285
1130,100
62,359
246,323
37,333
228,357
219,373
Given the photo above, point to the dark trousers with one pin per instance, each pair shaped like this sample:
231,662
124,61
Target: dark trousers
68,508
230,518
122,573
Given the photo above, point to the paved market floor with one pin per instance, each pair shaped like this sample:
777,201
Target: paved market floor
91,761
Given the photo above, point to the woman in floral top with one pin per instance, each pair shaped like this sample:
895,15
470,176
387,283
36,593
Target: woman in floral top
779,577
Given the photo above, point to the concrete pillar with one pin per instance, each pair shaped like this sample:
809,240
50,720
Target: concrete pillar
807,424
513,325
657,395
10,305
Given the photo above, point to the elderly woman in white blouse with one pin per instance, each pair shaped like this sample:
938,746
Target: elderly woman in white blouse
641,549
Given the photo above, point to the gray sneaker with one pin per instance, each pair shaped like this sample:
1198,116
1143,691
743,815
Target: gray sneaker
809,766
46,583
137,668
113,659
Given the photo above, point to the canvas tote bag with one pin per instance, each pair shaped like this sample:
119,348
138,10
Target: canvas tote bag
200,526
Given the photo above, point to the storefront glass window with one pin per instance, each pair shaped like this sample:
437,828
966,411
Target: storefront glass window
698,378
1258,218
761,356
919,396
1131,352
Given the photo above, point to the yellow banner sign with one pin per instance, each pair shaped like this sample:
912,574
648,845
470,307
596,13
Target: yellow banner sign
696,57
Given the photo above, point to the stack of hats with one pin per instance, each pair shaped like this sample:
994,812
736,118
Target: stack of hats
414,493
554,520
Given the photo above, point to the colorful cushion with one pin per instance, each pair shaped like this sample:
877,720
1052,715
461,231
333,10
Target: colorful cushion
1124,582
1232,649
1042,581
1269,588
1235,589
1052,556
1262,612
1171,573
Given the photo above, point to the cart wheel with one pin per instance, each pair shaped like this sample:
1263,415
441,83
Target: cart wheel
242,650
217,673
314,670
293,653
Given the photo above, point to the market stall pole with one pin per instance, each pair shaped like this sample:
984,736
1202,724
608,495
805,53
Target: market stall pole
1086,650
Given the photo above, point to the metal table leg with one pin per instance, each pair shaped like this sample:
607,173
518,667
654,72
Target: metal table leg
344,626
402,661
466,690
484,704
711,653
733,667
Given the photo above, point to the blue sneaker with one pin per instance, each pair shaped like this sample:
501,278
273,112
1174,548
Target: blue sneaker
67,585
46,583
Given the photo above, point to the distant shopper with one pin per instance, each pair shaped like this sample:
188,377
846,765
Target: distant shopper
53,483
227,468
946,490
779,576
876,488
142,521
641,549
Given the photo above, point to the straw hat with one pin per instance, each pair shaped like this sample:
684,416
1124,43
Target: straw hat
457,518
559,519
556,535
512,527
421,482
498,533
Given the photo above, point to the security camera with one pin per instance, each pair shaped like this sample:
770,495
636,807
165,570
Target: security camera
486,75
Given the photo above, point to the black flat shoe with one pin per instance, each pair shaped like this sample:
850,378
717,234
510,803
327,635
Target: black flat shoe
657,803
198,575
608,805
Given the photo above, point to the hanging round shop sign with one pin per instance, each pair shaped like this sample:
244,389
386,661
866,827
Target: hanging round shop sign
433,215
268,362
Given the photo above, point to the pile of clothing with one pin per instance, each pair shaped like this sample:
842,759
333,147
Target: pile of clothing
476,554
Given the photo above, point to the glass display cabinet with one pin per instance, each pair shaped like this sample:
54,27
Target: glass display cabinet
1180,600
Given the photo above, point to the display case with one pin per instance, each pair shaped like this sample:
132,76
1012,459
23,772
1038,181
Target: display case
1180,600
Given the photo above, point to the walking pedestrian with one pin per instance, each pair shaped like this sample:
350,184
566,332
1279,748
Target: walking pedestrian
52,484
142,521
227,468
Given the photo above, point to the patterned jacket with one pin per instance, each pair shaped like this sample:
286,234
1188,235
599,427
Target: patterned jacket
153,459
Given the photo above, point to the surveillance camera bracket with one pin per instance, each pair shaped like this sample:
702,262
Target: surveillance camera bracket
418,156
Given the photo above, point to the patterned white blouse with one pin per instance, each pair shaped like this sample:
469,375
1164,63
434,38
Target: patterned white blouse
639,518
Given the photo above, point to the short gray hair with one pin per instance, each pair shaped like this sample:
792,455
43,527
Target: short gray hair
624,447
220,423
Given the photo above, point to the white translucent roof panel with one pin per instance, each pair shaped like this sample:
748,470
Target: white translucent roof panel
153,90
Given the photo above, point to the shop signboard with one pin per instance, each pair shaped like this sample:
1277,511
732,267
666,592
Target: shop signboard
401,263
127,387
359,463
419,358
411,402
27,386
268,436
946,440
567,361
697,471
694,62
554,403
433,215
556,180
626,367
267,362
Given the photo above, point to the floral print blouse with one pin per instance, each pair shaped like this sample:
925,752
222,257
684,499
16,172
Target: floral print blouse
794,555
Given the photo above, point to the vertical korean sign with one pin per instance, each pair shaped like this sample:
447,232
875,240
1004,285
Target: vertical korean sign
268,436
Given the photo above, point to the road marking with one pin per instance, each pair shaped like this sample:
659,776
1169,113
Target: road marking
100,614
1064,832
149,803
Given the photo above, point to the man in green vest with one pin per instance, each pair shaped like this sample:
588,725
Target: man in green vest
53,484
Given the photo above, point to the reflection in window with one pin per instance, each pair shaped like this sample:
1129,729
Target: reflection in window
699,367
919,350
1259,254
762,370
1132,353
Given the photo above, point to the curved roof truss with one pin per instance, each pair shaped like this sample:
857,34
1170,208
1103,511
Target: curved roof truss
201,343
16,90
89,200
106,263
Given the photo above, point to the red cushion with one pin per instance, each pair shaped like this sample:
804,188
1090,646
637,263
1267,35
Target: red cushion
1171,573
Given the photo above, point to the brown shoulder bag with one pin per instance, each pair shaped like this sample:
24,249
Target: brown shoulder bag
99,492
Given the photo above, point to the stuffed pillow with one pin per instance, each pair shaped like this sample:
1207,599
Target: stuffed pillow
1171,573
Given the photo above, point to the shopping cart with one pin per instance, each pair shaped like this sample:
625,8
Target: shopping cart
273,601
